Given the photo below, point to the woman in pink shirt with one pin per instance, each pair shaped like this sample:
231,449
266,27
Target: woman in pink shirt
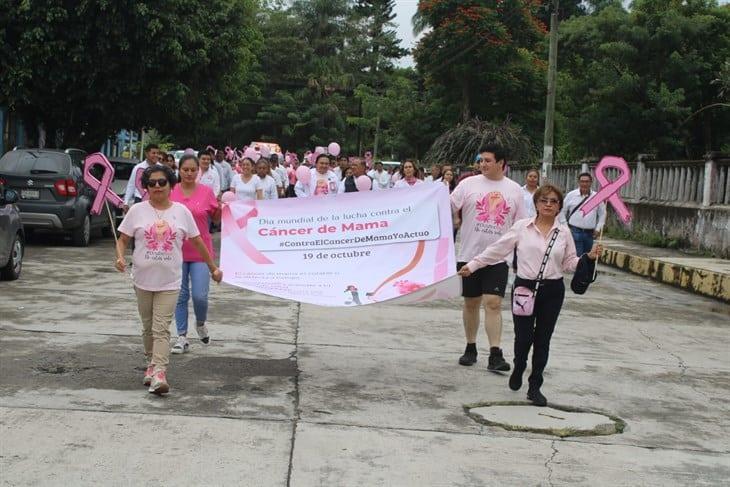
202,203
158,226
531,237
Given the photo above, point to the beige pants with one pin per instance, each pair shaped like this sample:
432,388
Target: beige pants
155,310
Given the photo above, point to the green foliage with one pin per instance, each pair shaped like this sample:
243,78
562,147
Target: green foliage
630,80
89,68
461,144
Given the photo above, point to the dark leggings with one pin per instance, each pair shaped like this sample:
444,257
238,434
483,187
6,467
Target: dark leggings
536,330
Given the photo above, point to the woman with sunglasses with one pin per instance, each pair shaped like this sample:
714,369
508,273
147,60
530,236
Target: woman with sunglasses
204,207
159,226
532,237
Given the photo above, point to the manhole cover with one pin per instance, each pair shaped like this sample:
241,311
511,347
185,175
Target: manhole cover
555,420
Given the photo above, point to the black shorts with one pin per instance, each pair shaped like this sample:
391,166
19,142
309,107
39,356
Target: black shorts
487,280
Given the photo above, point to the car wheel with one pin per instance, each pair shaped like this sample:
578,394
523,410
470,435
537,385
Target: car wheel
12,269
82,235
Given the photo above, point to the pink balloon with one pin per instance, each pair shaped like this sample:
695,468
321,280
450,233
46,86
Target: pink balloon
265,151
319,150
333,149
303,175
251,154
228,196
103,187
363,183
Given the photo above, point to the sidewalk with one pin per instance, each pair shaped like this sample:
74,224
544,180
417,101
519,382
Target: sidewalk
700,275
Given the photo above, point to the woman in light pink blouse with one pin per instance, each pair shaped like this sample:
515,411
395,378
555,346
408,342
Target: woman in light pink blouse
531,237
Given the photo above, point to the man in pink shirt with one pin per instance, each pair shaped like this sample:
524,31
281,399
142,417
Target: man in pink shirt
489,204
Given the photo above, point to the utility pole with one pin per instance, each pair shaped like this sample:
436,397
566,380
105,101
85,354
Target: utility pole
547,150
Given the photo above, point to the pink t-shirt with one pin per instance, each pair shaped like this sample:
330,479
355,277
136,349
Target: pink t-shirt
488,209
202,204
158,239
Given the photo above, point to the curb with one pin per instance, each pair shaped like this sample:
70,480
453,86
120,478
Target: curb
699,281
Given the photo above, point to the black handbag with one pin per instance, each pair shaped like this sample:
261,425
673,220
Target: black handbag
584,275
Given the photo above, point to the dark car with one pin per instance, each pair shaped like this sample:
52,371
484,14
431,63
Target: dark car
12,237
53,195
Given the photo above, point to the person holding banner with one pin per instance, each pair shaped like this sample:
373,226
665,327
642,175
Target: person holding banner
584,228
545,250
410,175
159,226
489,203
247,185
204,207
320,181
132,194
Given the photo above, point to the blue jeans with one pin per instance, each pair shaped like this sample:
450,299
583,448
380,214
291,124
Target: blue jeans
199,275
583,240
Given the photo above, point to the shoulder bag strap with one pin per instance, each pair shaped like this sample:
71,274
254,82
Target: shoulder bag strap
545,258
567,220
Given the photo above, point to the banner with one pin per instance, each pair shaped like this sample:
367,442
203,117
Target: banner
349,250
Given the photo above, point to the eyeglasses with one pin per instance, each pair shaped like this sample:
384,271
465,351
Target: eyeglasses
552,201
157,182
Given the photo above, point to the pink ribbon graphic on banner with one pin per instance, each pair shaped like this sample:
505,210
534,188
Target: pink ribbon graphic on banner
610,189
103,188
235,228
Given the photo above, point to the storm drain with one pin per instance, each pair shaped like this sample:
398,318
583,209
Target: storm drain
554,420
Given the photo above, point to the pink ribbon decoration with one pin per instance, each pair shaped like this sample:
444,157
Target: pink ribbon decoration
610,189
138,184
103,188
235,228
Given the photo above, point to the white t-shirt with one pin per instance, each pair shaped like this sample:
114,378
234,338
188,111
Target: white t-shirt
319,185
280,176
158,240
381,180
268,185
530,210
246,191
488,210
210,178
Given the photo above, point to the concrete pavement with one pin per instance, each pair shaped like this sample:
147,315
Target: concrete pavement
290,394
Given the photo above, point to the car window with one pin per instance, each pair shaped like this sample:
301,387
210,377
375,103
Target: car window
122,170
31,162
77,157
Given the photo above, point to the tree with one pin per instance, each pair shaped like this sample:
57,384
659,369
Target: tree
630,79
481,56
84,70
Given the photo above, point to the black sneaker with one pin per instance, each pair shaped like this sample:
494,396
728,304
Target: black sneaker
537,398
469,358
497,363
515,381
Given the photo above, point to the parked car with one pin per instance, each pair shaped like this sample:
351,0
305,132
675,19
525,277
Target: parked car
53,195
122,171
12,236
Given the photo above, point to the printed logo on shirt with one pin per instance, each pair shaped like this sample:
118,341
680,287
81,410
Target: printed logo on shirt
322,187
493,207
159,237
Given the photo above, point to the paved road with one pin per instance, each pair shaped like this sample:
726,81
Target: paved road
303,396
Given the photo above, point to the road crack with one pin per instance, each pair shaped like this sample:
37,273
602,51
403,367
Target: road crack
680,362
550,461
297,411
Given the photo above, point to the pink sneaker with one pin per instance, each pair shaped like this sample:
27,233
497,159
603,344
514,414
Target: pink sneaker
148,375
159,383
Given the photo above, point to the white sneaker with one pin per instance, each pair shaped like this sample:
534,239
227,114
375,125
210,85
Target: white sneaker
203,333
181,346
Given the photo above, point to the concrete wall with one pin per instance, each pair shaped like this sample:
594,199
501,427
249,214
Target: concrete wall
703,228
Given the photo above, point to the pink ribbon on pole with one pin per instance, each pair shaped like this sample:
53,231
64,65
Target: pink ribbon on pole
103,188
610,189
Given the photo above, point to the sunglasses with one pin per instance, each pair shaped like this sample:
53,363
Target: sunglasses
157,182
552,201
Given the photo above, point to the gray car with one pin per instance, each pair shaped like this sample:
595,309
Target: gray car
12,236
53,195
